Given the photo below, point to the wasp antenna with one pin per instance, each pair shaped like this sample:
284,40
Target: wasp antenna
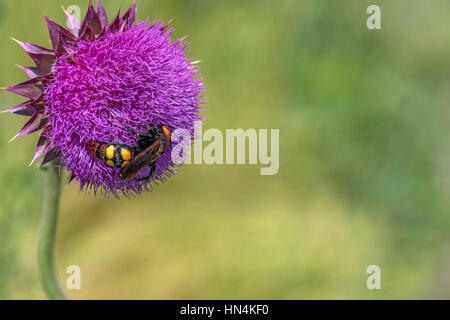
125,125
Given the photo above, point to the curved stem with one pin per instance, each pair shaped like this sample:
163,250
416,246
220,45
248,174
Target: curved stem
47,231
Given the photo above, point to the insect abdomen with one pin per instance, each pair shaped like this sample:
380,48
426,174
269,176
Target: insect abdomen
114,155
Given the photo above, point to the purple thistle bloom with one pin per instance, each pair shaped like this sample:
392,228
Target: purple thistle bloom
98,77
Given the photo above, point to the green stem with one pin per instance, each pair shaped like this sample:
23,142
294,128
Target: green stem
47,232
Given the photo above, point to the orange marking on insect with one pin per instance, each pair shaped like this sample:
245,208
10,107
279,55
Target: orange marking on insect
102,152
166,132
92,147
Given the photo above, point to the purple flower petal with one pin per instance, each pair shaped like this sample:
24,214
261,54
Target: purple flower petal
129,18
31,88
23,109
102,14
50,156
58,35
44,58
36,122
32,72
115,24
92,20
43,147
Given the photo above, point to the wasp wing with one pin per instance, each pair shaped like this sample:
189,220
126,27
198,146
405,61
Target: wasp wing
143,159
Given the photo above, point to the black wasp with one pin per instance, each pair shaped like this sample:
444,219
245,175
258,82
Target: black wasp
150,145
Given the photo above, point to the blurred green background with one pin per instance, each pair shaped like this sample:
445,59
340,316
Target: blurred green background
364,173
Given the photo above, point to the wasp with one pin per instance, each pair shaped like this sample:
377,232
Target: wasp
150,145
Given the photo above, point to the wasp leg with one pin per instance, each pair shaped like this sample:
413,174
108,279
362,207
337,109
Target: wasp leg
147,138
151,175
141,134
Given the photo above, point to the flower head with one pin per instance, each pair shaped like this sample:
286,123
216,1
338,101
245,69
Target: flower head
104,82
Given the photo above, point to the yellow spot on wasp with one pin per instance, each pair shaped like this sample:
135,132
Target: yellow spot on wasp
125,163
109,154
110,163
126,154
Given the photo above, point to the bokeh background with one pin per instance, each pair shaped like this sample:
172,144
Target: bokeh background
364,175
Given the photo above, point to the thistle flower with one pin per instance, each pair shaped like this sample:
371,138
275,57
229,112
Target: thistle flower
100,80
